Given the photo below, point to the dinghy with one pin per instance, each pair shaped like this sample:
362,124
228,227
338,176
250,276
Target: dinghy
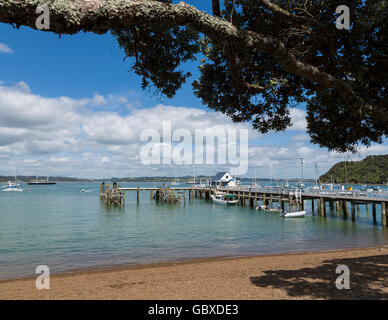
296,214
263,207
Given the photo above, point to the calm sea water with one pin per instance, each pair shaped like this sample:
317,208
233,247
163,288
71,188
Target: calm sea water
68,230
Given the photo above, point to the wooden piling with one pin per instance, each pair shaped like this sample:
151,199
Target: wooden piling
383,214
320,207
353,211
337,206
374,213
324,207
346,209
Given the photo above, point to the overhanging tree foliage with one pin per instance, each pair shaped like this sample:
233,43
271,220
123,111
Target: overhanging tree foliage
258,57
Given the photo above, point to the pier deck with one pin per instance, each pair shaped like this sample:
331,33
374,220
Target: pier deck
345,201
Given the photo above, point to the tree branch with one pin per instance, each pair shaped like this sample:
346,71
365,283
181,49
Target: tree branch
98,16
302,20
296,18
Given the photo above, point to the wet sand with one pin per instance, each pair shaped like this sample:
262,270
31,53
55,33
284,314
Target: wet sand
288,276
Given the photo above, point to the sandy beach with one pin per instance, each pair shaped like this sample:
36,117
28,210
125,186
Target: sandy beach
288,276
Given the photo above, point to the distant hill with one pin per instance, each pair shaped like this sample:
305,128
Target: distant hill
371,170
32,178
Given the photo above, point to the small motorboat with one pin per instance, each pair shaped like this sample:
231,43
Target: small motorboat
296,214
263,207
222,198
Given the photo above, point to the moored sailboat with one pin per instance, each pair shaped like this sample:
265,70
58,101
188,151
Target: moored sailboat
41,182
12,187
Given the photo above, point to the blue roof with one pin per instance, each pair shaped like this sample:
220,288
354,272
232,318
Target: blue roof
219,175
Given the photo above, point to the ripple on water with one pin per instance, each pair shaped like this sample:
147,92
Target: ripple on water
68,230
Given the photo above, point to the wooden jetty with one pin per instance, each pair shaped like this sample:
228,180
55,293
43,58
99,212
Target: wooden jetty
112,195
342,201
166,194
345,202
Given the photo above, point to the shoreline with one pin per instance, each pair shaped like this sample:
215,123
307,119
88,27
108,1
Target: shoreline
136,266
269,276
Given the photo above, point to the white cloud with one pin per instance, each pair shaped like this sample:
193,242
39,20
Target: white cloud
79,137
99,99
298,117
111,128
5,49
300,137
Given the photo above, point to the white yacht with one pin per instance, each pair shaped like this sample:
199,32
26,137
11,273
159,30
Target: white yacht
12,187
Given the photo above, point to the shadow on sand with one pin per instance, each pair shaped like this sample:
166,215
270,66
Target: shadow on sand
368,279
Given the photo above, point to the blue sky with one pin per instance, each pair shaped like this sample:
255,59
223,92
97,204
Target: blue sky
66,104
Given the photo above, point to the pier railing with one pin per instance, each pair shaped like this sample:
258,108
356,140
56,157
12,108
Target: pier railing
329,193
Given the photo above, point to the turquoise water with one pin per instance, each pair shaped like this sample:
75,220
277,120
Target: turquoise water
67,230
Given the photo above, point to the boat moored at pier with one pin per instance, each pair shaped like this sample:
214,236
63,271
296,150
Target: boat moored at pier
223,198
296,214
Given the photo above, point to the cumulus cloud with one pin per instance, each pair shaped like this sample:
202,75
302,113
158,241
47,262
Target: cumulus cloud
300,137
298,117
5,49
79,137
54,128
111,128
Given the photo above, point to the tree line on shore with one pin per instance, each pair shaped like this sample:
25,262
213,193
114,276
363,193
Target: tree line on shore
371,170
